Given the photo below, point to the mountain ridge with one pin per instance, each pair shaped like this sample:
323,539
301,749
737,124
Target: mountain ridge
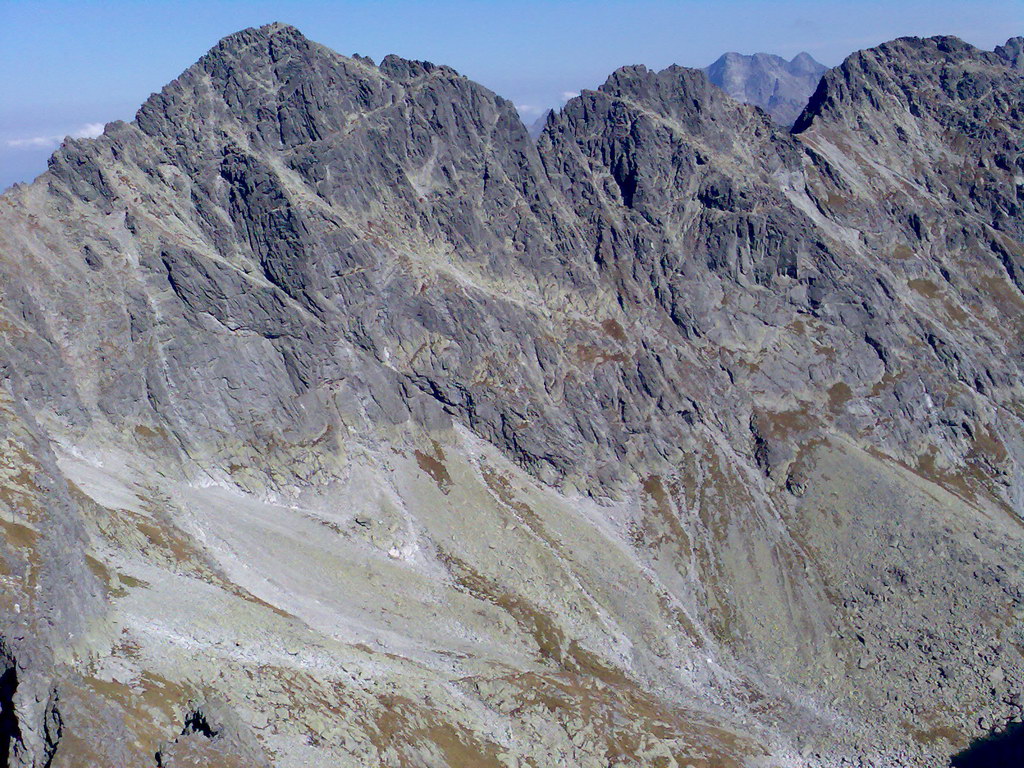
639,441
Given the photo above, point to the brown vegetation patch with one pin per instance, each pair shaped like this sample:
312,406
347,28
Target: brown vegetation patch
969,482
403,726
1003,293
149,436
886,383
150,709
102,574
538,624
936,729
660,529
614,330
784,426
834,202
955,312
159,543
827,351
501,487
718,495
433,465
625,721
18,534
988,447
18,488
930,290
839,394
925,288
967,485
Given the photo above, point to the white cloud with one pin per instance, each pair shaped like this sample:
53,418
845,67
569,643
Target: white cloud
529,109
33,143
566,95
86,131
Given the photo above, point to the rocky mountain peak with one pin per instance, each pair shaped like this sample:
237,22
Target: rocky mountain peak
943,81
682,92
804,62
258,48
241,42
1012,52
681,95
249,76
404,69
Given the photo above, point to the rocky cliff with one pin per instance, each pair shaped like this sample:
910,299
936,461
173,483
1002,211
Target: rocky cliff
347,425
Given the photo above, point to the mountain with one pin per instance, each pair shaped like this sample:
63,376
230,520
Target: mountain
781,88
1012,52
344,424
537,126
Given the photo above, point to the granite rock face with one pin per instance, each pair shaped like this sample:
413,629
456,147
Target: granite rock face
345,424
781,88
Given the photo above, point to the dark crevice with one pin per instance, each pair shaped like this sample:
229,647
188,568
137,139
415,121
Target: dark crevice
998,750
53,729
196,722
10,730
625,177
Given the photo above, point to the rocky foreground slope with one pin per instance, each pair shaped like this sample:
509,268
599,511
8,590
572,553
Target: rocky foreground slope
344,425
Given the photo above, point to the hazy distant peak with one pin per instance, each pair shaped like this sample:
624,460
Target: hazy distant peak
805,61
780,87
537,126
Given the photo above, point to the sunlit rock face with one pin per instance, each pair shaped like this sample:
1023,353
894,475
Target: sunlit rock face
343,424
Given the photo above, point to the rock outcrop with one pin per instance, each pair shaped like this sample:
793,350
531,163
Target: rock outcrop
334,401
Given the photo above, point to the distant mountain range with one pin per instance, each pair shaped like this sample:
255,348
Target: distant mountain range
780,87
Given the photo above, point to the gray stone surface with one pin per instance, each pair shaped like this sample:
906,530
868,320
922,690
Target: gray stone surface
340,411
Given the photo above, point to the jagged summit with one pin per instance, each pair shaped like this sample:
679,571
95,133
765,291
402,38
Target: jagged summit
251,77
343,424
960,87
405,69
276,28
1012,52
806,62
682,91
270,41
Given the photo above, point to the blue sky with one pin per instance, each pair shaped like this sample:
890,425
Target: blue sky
69,67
